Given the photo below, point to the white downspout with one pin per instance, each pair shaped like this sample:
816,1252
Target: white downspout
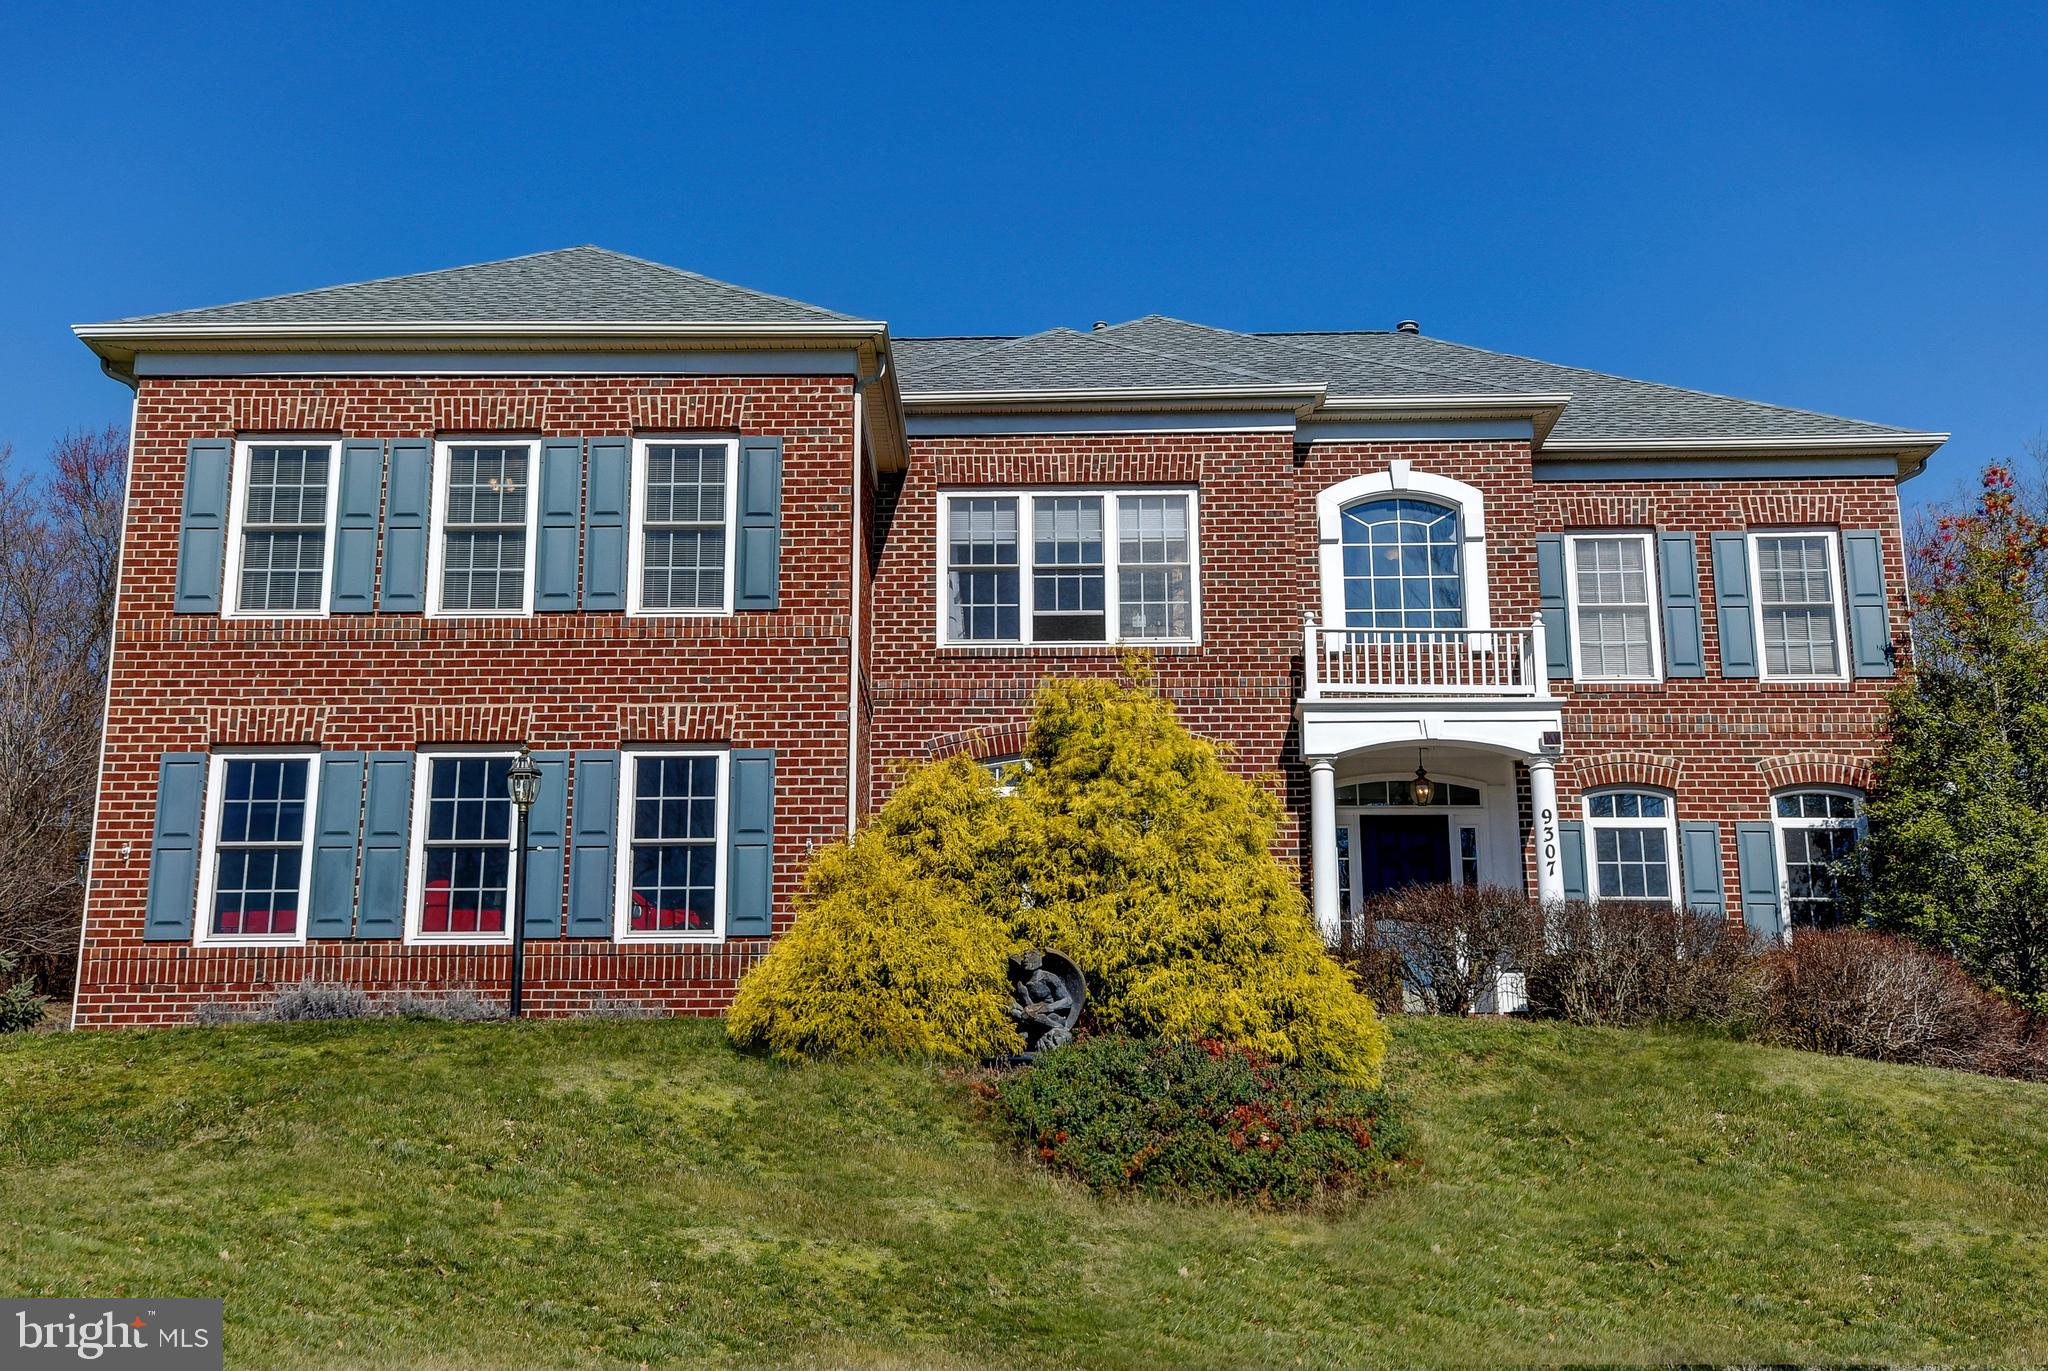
853,644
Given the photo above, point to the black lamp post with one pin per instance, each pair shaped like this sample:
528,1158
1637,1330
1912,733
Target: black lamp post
522,783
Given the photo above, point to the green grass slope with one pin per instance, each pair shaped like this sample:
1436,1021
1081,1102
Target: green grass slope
608,1194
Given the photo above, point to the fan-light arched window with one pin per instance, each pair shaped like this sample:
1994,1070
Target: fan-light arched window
1402,565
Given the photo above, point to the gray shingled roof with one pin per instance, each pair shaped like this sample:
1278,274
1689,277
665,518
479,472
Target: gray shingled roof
1161,351
581,284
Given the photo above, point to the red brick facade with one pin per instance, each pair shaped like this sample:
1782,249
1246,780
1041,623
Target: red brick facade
780,679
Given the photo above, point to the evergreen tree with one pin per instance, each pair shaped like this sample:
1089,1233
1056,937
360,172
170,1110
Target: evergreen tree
1957,852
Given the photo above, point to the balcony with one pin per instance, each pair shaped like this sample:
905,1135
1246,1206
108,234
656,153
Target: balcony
1423,663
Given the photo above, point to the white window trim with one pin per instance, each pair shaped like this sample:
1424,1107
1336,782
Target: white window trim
238,500
1111,541
1668,825
622,893
416,856
1832,539
209,848
636,503
1401,480
1655,603
1779,825
437,525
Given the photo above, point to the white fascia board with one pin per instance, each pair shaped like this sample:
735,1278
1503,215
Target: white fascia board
1542,408
1911,449
1298,400
120,341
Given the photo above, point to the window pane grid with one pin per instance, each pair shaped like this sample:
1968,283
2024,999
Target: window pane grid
683,532
674,845
467,867
983,572
1631,845
1067,569
284,529
1795,591
1154,581
484,529
1402,566
1817,831
260,848
1612,594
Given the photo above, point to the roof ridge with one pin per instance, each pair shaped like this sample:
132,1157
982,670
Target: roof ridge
351,285
1183,357
698,276
1377,361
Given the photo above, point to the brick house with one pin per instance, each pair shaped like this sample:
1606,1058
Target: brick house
720,558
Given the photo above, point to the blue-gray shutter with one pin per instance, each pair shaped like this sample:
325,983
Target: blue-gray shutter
1732,605
1557,635
405,526
760,525
1700,840
1756,860
331,904
174,847
1571,857
561,521
203,526
541,904
593,845
1870,622
1678,569
355,526
387,845
750,845
604,524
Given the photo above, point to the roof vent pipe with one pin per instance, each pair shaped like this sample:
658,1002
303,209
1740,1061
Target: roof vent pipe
1101,324
1408,326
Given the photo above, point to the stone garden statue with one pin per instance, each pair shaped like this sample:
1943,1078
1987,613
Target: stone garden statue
1047,993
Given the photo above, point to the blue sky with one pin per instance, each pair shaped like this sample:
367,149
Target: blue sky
1834,207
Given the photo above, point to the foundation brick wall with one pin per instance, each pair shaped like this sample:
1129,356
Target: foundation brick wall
183,682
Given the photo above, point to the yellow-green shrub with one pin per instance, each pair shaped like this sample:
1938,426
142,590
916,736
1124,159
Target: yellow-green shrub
1129,846
889,954
1150,863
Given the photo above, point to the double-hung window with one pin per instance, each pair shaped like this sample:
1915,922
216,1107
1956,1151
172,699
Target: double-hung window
484,538
1634,845
1798,605
1613,609
1068,566
280,548
463,836
1817,829
257,859
682,545
672,873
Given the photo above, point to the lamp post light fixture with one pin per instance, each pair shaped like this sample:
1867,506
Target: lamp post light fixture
522,784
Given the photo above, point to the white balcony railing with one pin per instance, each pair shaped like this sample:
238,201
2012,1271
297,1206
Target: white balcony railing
1343,663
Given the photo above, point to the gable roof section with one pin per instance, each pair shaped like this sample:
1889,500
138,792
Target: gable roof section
580,285
1604,411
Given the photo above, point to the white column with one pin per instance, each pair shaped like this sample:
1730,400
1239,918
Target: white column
1322,830
1543,803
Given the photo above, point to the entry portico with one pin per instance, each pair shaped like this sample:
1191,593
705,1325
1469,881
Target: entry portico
1463,704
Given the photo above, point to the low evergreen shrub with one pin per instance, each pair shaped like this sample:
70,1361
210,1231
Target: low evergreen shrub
21,1008
1199,1119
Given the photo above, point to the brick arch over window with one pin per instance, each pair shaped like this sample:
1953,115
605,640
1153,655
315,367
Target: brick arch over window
1814,768
1606,770
1399,480
1001,740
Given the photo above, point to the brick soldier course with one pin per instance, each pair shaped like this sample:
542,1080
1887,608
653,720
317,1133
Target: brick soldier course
851,439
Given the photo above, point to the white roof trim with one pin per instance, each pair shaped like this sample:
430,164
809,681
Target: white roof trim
1773,443
1300,399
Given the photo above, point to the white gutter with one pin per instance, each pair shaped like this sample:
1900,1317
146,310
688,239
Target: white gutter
1299,398
523,328
1817,443
1502,403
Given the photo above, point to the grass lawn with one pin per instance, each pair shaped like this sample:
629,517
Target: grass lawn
611,1194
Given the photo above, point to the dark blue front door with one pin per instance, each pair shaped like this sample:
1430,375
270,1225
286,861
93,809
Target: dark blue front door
1396,850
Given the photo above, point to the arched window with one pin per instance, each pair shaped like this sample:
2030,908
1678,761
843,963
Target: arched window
1817,829
1633,844
1403,565
1403,549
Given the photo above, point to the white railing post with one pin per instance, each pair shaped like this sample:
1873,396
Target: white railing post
1311,648
1539,658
